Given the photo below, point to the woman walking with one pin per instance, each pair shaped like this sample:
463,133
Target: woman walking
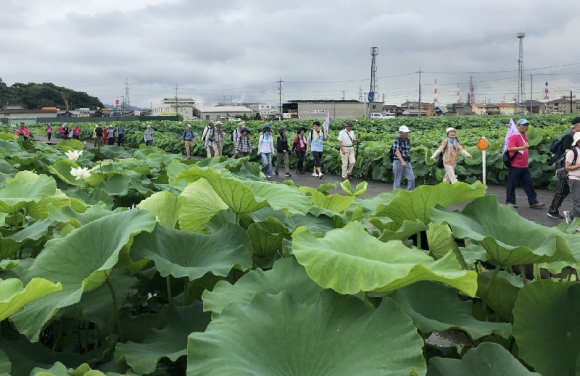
299,146
265,150
148,136
450,148
316,139
48,132
283,152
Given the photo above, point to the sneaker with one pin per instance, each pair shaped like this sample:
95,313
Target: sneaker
537,205
512,205
268,177
287,174
320,176
555,215
567,216
315,175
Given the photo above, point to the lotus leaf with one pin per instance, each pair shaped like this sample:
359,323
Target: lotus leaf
80,261
24,188
349,260
199,204
415,204
5,365
13,296
360,189
335,335
436,307
165,206
507,238
183,254
487,359
546,326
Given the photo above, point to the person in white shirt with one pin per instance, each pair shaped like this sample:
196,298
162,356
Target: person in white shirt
573,167
346,141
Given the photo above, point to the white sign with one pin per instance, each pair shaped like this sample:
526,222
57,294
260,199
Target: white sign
265,109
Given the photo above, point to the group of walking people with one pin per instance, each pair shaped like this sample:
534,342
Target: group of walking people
108,135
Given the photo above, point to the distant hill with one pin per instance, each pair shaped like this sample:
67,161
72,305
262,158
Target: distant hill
35,96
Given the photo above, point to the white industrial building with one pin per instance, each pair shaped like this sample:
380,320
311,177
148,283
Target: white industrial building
221,112
172,107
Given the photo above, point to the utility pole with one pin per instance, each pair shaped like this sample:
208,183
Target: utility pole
280,94
374,87
521,97
420,71
176,106
531,91
127,100
571,108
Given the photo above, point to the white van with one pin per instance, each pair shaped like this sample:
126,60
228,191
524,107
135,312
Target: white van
389,116
376,115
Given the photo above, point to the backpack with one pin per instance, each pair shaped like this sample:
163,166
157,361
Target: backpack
506,159
204,134
561,173
557,150
392,154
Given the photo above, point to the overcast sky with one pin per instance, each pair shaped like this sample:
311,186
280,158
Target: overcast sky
216,51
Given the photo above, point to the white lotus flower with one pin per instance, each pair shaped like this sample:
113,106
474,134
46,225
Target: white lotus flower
80,173
74,155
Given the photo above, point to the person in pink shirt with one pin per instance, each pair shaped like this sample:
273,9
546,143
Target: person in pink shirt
22,131
519,171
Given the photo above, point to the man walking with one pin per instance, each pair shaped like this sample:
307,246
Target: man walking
402,162
346,140
237,133
120,135
208,138
218,146
563,187
519,171
187,139
98,134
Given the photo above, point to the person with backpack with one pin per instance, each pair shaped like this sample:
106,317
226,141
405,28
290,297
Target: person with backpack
148,136
48,132
187,139
218,144
98,135
111,135
283,152
208,137
450,148
519,171
401,150
76,131
120,135
300,145
243,144
237,132
61,131
559,148
316,139
265,150
573,169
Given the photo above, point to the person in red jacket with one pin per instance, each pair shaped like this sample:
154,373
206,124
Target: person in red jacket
22,131
76,132
299,146
48,132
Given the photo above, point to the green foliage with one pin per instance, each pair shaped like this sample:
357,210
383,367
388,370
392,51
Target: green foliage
155,265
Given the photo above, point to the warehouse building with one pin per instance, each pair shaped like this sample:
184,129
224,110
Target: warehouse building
338,109
221,112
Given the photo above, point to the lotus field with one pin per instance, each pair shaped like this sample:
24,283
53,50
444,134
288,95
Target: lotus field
132,261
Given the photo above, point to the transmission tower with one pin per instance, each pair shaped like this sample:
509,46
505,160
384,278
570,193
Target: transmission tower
128,101
471,90
374,87
521,97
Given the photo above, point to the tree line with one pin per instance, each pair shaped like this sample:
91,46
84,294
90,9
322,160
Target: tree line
33,96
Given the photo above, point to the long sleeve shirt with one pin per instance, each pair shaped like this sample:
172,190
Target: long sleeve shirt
450,152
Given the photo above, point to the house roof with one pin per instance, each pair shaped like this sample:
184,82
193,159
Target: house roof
505,105
178,99
220,109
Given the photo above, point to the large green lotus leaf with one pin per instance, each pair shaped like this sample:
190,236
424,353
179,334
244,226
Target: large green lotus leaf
170,342
39,210
70,145
93,197
546,326
436,307
191,255
487,359
25,187
285,275
336,335
320,224
14,296
415,204
441,242
81,261
200,203
264,241
10,244
349,260
116,152
360,189
117,185
165,206
507,238
57,369
407,229
27,158
281,197
5,365
62,169
502,294
71,216
234,193
336,203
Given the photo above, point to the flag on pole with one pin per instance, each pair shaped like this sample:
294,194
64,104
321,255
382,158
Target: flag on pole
326,122
511,131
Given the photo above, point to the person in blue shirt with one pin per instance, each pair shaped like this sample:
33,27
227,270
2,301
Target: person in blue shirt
188,139
120,135
316,139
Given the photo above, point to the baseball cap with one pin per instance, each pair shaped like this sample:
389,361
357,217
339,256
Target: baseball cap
349,124
188,125
576,120
404,129
218,122
523,121
449,130
576,138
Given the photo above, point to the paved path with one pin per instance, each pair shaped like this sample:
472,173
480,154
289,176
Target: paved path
376,187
